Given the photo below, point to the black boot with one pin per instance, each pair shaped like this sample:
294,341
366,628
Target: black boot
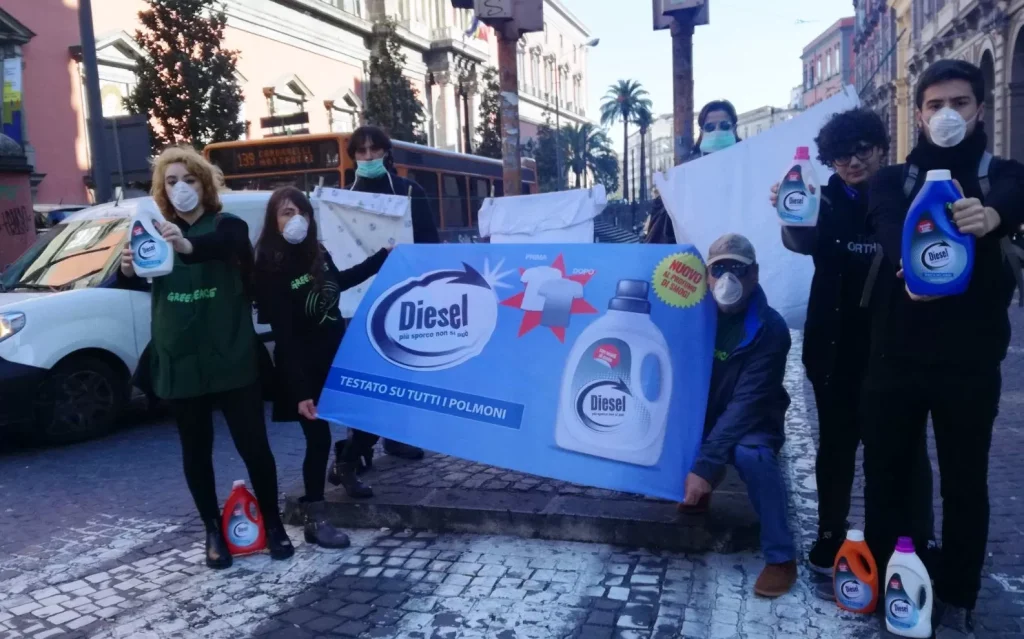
317,529
344,474
218,556
402,451
278,543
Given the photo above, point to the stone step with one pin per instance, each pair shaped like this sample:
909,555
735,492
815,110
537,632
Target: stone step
464,497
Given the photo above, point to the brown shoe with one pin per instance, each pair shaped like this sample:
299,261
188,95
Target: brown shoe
776,580
700,508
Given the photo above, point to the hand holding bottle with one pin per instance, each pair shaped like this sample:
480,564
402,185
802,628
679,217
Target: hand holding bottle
172,234
127,261
913,296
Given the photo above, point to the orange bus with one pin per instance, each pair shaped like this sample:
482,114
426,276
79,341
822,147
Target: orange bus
456,183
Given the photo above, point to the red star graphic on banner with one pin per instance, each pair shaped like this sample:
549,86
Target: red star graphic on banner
531,319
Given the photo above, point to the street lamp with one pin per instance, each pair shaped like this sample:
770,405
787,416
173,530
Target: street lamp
593,42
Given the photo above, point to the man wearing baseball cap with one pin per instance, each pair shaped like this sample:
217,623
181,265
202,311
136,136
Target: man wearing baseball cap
747,407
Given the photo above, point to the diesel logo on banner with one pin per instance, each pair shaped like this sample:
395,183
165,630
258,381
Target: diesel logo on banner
424,323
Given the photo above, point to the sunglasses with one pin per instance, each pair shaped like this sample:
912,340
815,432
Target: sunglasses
718,269
724,125
862,153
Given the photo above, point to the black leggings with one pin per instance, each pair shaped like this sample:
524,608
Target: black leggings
318,450
243,411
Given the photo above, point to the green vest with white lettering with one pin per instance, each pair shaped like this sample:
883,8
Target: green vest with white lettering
203,337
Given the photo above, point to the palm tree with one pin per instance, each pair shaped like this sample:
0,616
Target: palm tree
585,145
643,119
622,102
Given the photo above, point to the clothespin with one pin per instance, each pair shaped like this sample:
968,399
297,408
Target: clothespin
492,191
410,191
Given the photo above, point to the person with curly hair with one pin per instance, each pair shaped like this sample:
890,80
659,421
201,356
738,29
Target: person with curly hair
854,144
204,351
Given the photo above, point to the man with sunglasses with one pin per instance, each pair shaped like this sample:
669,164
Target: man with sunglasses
837,329
747,405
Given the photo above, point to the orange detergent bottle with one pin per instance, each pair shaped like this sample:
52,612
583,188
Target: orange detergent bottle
242,522
855,575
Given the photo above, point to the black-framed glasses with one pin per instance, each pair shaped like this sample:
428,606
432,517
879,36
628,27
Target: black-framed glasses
724,125
862,153
718,269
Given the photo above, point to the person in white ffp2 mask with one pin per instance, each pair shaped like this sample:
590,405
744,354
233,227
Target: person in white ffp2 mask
746,409
940,356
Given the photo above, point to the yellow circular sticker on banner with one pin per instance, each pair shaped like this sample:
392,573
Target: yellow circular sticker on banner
680,280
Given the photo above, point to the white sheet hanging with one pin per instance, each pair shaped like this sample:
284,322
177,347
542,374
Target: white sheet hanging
564,217
355,225
727,192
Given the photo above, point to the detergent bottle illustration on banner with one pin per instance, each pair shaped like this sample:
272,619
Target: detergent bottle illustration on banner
799,192
855,575
243,523
908,593
616,386
937,257
151,254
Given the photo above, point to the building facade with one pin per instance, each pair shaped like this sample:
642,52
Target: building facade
987,34
874,43
828,62
295,55
759,120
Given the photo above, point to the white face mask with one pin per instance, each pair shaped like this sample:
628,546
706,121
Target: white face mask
728,290
184,198
947,128
295,229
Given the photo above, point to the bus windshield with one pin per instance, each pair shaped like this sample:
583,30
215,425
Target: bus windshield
70,255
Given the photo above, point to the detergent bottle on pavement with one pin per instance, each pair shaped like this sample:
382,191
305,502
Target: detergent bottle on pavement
151,254
243,523
855,575
937,257
799,192
908,593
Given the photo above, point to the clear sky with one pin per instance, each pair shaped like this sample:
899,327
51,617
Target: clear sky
749,54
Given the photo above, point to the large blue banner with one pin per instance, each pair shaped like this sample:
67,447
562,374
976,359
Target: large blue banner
588,363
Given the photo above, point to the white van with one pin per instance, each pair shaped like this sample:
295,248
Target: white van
70,338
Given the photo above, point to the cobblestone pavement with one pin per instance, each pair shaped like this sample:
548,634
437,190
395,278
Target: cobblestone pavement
99,540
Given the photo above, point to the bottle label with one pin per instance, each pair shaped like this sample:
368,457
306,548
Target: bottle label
147,251
242,531
935,258
900,610
851,592
604,400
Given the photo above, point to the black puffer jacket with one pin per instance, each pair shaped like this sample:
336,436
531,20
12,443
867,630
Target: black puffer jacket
837,331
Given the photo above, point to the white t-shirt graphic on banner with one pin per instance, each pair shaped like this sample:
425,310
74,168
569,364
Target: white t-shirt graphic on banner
534,279
558,296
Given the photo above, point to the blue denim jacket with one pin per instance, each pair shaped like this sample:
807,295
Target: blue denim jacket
747,401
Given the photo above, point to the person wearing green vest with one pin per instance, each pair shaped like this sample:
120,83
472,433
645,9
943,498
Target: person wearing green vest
203,353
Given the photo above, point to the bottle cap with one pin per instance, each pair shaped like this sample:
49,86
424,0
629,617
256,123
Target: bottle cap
855,535
905,545
631,296
803,153
238,482
939,175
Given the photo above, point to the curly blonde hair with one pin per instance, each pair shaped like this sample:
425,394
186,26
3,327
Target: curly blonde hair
208,175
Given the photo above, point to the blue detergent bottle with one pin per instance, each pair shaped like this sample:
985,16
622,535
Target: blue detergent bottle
937,258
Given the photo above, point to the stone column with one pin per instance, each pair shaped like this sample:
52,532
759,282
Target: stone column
446,115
